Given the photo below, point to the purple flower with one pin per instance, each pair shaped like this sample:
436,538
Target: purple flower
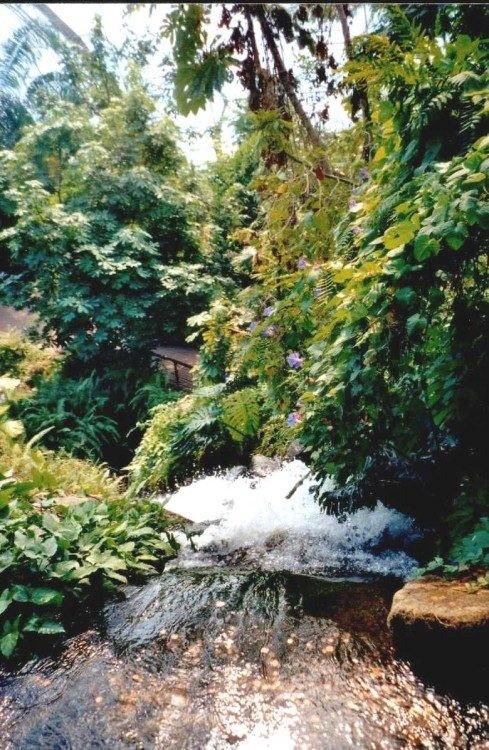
252,326
302,263
364,174
295,360
269,331
357,230
294,418
267,311
318,291
352,203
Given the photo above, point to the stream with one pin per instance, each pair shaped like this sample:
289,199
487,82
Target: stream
268,632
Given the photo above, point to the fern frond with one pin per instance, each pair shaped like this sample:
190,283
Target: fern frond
209,391
241,413
200,418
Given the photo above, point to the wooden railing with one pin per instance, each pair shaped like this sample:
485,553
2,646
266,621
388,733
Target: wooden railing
178,371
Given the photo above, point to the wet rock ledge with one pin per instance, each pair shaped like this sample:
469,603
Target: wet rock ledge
442,621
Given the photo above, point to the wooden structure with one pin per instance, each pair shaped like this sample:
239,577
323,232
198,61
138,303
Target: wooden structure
178,361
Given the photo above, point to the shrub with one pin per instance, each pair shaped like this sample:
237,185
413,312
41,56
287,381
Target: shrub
76,411
71,415
66,533
22,358
155,391
57,472
155,463
215,426
469,557
104,247
55,551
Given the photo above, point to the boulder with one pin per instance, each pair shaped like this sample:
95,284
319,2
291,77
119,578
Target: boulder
262,466
442,621
295,449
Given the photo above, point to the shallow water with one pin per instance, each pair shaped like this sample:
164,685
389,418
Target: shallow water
229,649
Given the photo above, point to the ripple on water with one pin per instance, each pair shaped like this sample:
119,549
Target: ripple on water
254,660
238,645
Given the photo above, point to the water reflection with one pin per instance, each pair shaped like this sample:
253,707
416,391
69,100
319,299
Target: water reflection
213,659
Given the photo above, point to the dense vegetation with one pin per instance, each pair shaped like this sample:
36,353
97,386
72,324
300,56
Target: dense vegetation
67,531
334,280
363,337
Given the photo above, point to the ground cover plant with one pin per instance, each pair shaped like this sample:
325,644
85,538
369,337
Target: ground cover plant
68,535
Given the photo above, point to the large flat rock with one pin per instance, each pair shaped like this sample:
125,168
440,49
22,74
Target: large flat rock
440,603
442,620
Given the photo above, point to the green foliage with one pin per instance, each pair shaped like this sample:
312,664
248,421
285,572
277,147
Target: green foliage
156,462
241,413
396,362
244,381
50,471
195,433
152,393
66,534
104,246
380,291
25,359
71,415
86,416
9,428
57,472
57,551
469,557
233,202
275,437
199,71
216,328
13,117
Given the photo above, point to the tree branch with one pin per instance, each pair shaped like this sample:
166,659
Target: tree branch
362,85
60,26
283,75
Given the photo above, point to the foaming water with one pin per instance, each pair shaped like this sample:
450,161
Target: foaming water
253,521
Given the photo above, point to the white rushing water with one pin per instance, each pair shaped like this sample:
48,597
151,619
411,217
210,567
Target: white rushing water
252,519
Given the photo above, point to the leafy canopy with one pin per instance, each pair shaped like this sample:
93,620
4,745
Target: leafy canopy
104,246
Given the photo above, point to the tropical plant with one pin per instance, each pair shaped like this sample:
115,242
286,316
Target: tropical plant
9,428
468,558
27,360
66,534
250,45
58,551
104,246
365,324
397,367
70,414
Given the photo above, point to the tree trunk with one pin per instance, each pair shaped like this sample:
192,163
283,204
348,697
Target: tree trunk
362,86
304,119
283,75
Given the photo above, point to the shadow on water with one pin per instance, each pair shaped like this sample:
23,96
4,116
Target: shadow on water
216,658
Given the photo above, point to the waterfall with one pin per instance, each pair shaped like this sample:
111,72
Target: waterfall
252,519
